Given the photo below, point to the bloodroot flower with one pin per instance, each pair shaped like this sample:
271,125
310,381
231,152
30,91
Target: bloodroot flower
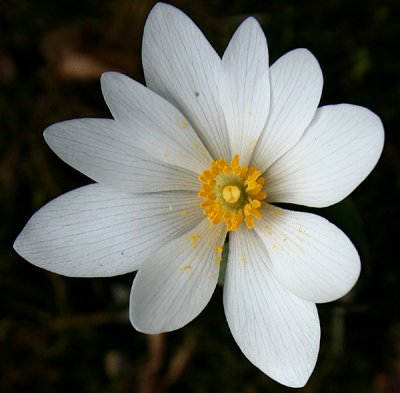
205,150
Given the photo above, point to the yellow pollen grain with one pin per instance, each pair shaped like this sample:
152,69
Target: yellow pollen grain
183,213
231,194
185,268
184,124
253,142
220,249
218,260
200,149
194,239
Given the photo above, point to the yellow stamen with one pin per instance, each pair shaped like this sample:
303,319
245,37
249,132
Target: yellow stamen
232,193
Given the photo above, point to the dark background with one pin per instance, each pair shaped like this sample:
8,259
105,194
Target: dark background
62,334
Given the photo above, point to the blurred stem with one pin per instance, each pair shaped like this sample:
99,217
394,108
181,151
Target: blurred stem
152,381
180,359
156,346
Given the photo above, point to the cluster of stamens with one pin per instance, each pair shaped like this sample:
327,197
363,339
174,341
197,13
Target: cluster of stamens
231,193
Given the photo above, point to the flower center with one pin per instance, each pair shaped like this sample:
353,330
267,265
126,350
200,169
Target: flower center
231,193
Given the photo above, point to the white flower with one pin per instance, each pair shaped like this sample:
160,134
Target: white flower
144,211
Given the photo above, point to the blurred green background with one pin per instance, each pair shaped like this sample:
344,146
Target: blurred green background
62,334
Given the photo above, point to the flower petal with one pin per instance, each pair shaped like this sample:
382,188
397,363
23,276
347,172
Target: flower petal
277,331
244,87
176,282
101,150
296,87
310,256
336,153
180,65
96,231
153,124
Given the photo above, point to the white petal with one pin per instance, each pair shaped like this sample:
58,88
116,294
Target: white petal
176,282
296,87
101,150
244,87
153,124
95,231
310,256
277,331
337,152
180,65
